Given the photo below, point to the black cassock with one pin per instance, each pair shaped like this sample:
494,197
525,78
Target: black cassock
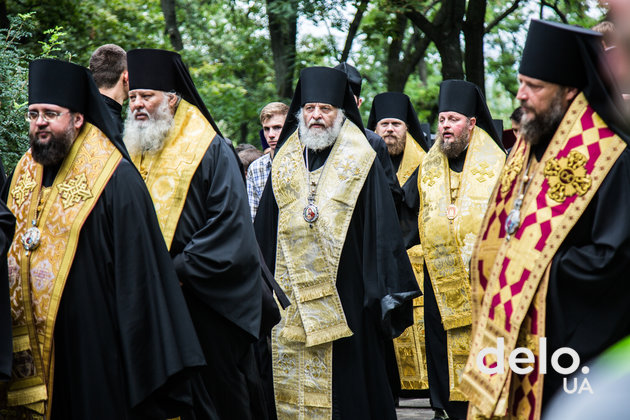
216,259
124,343
376,285
435,335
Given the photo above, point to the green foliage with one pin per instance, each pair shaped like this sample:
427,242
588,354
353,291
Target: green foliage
14,81
227,49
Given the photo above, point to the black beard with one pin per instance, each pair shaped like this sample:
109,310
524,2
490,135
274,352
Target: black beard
542,126
55,150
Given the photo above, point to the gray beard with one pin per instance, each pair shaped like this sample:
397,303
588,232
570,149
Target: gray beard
319,139
148,135
541,127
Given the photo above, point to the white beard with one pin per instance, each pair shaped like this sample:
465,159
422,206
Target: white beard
148,135
316,138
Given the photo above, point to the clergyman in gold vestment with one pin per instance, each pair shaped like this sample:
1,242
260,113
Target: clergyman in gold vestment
327,225
455,180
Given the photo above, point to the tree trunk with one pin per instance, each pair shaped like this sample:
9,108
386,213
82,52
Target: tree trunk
243,133
399,69
444,32
170,19
473,36
282,15
352,30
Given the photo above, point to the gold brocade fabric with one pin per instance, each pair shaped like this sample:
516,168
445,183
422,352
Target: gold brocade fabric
412,158
37,278
306,268
509,278
169,171
448,243
410,347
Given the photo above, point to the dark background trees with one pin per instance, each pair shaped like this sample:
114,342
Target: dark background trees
243,54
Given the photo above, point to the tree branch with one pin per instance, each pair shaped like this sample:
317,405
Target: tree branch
352,30
502,16
170,19
421,22
555,8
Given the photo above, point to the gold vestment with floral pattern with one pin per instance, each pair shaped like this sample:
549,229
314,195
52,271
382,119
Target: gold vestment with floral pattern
307,259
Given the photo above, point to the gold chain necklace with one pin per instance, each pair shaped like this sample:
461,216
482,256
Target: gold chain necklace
513,220
311,212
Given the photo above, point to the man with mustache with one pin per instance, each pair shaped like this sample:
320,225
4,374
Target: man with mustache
98,315
196,185
551,268
455,180
327,226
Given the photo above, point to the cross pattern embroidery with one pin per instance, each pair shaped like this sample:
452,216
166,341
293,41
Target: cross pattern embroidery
74,190
483,170
24,186
430,176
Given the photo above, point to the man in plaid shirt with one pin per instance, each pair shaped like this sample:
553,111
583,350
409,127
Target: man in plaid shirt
272,118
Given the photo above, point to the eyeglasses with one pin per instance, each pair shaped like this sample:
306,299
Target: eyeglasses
47,116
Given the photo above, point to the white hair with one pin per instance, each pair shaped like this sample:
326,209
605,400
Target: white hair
148,135
319,138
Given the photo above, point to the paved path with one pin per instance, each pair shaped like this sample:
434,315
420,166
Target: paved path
414,408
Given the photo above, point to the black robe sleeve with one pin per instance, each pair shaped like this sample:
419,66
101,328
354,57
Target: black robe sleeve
214,247
408,214
589,285
124,341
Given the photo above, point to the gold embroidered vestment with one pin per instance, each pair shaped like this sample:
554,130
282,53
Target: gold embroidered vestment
37,277
169,171
307,260
448,244
509,278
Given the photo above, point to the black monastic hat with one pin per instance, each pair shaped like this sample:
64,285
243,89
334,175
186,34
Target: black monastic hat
397,105
466,98
573,56
324,85
164,70
354,77
71,86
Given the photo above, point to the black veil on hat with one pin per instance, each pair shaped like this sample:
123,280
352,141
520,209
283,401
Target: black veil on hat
466,98
397,105
71,86
324,85
573,56
164,70
354,77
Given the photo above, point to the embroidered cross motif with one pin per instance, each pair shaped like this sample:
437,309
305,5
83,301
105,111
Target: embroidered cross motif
511,171
24,186
430,177
74,190
567,176
483,171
